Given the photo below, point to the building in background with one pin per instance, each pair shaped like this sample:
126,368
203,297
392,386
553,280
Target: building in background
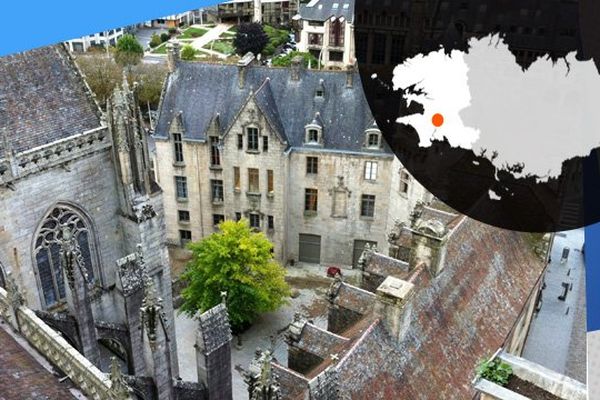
100,39
326,30
294,151
272,12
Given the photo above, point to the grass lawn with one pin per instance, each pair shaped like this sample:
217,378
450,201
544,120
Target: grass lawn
222,46
192,33
233,29
277,37
162,49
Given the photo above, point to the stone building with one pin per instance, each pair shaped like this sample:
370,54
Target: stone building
294,151
272,12
326,30
82,231
417,327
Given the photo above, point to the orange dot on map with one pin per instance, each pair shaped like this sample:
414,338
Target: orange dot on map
437,120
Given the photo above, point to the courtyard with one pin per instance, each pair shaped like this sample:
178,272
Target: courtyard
309,286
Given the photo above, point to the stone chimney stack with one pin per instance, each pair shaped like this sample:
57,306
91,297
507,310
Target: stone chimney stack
350,70
172,56
213,353
429,245
243,65
296,68
392,295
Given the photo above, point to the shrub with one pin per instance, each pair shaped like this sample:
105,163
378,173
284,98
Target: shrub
172,31
286,60
155,40
164,37
188,53
495,371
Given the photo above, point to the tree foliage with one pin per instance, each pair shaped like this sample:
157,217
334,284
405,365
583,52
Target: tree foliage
250,37
239,262
188,53
103,74
155,40
129,51
286,60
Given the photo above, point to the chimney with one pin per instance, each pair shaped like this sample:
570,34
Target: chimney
243,68
296,68
392,295
172,55
429,239
350,70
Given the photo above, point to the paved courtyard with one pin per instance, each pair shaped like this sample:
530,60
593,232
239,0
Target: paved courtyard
311,285
557,335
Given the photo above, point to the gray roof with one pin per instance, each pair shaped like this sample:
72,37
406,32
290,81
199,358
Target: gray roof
322,10
201,91
43,99
215,328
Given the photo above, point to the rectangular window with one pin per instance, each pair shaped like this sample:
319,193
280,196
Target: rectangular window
270,181
253,182
236,178
252,138
310,199
184,216
404,181
181,187
265,143
238,216
255,221
271,222
315,39
336,56
217,219
178,147
373,140
312,165
313,134
185,237
240,142
215,153
216,186
367,205
336,33
371,170
379,48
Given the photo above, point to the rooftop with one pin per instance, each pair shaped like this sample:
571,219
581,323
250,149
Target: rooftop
200,94
43,99
322,10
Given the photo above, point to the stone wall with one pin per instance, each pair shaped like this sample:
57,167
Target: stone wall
89,184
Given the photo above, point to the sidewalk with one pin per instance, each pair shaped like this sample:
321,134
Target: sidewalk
557,335
208,37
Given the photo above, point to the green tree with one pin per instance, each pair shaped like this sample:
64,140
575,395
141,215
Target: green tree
188,53
150,79
101,73
286,60
237,261
129,51
250,37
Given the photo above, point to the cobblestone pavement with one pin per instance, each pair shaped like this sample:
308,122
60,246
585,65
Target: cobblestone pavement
22,377
311,285
557,335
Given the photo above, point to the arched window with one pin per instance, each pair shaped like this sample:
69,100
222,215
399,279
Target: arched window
47,250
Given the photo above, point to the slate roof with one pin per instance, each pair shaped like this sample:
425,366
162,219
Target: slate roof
322,10
200,91
462,316
383,265
43,99
450,322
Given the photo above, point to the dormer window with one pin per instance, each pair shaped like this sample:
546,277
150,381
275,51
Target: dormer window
314,131
373,140
373,137
319,93
313,136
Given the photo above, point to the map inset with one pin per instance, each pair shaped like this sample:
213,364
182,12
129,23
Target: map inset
492,107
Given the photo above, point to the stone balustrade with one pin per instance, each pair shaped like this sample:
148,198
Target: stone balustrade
93,382
53,154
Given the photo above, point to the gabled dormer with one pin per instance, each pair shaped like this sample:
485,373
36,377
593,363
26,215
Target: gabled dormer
313,132
176,131
373,138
